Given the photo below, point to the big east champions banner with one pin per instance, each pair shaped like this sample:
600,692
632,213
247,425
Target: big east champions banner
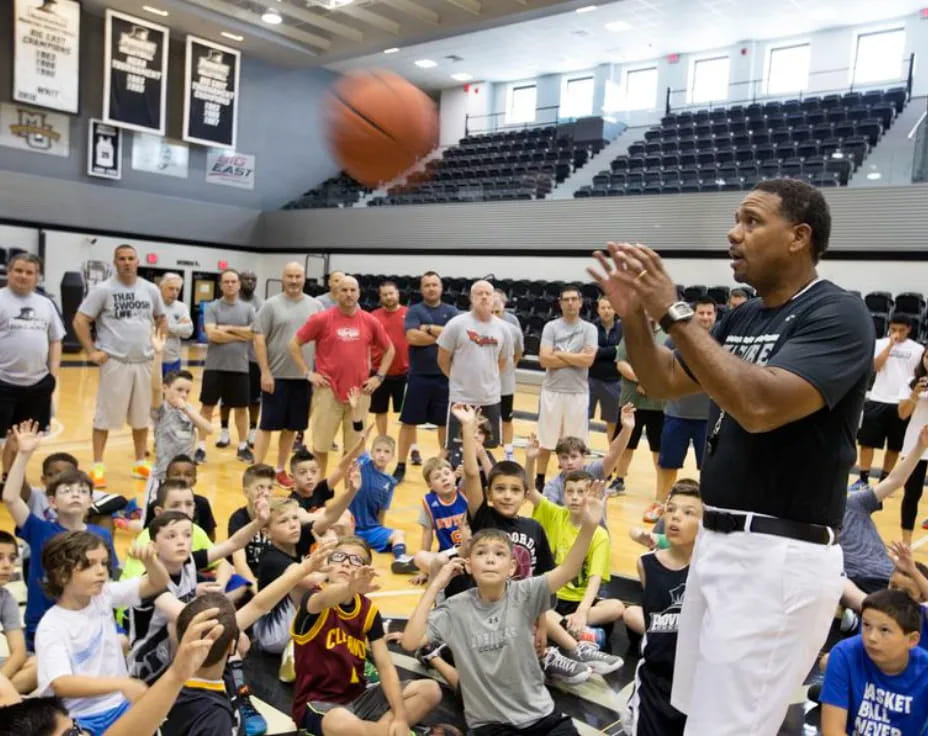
135,73
46,51
211,93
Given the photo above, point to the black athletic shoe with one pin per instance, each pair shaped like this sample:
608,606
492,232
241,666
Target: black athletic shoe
415,458
399,473
245,455
199,457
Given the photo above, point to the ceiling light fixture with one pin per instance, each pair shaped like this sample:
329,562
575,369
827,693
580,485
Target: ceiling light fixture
272,17
232,36
425,63
617,26
391,50
586,9
462,77
155,11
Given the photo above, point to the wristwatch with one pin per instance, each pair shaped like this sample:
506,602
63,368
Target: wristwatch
676,312
381,376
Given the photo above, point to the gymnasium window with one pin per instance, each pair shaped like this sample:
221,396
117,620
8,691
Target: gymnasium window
641,89
710,80
879,56
577,98
788,69
521,107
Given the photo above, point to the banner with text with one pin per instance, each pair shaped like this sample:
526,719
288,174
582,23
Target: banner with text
104,150
135,73
39,131
230,169
46,53
211,93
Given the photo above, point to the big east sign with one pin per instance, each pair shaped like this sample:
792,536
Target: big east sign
231,169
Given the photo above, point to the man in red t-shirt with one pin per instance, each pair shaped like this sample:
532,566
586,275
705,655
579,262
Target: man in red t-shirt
392,315
345,336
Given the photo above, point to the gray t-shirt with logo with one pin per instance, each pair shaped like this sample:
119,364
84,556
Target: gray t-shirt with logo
27,325
476,348
278,320
228,356
568,337
507,378
501,680
180,327
175,434
124,317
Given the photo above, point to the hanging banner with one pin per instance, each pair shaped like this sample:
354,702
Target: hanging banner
104,150
158,155
135,73
230,169
211,93
46,53
34,130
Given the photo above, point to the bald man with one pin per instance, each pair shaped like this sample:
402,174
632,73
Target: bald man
473,351
179,324
285,392
344,337
329,300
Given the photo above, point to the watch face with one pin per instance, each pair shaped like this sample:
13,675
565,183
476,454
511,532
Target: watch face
680,310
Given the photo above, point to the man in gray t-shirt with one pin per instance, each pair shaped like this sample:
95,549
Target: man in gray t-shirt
568,349
30,350
327,300
472,351
247,295
179,325
125,310
285,392
225,376
508,375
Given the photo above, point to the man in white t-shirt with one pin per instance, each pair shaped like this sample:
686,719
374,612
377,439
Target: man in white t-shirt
178,326
895,359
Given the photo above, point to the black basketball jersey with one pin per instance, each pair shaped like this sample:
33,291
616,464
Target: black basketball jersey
663,599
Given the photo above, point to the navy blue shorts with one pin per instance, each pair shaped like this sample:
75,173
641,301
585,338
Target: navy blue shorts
254,383
426,400
171,367
675,441
287,407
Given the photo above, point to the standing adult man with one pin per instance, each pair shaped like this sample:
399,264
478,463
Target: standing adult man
125,309
285,392
30,350
472,352
392,315
568,349
786,374
604,376
225,374
895,358
330,298
426,398
344,337
179,326
508,376
684,419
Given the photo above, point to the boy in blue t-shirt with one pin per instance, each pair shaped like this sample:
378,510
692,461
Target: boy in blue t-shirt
877,683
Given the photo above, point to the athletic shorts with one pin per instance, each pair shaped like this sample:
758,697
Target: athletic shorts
426,400
21,403
675,441
562,415
171,367
227,386
327,415
649,710
288,407
393,387
453,440
124,396
272,630
505,407
254,383
565,608
881,425
650,420
377,537
371,705
98,723
606,395
556,724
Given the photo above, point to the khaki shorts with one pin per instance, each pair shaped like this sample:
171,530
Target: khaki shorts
327,414
124,395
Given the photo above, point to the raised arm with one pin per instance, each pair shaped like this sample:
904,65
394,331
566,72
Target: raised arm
156,577
532,450
414,635
473,489
901,555
157,345
620,441
333,509
347,460
573,562
27,440
880,358
360,581
244,535
897,478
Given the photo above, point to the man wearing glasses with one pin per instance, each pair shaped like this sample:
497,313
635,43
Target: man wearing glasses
568,349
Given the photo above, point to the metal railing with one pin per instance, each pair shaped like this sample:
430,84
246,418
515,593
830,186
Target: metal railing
491,122
920,155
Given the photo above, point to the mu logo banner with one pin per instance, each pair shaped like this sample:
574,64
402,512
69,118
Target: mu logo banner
34,130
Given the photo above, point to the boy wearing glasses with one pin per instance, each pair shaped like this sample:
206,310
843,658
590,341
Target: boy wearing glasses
332,630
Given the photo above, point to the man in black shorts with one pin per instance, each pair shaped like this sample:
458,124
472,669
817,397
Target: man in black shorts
426,398
392,315
787,375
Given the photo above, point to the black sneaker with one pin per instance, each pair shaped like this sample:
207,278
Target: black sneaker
224,439
404,566
399,473
245,455
617,487
426,654
415,458
199,457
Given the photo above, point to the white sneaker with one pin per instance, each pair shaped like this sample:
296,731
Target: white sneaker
251,437
224,439
564,669
600,662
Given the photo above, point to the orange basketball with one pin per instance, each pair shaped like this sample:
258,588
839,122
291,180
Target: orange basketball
379,124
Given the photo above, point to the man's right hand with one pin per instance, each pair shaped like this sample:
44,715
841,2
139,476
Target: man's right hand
318,380
98,357
267,383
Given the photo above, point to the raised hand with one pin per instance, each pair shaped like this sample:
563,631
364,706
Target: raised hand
901,555
318,560
27,436
594,503
361,580
157,341
464,413
202,632
532,447
452,569
354,478
263,510
627,416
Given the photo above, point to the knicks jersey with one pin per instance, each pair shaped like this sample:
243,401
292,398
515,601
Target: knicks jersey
329,652
447,518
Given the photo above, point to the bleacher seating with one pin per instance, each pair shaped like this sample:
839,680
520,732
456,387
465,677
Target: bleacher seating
337,191
820,139
506,165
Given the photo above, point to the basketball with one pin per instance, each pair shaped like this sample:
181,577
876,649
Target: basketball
379,125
